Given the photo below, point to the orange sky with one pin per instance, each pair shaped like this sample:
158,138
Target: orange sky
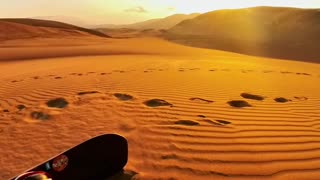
129,11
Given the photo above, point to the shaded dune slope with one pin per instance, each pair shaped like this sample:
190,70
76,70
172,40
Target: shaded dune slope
286,33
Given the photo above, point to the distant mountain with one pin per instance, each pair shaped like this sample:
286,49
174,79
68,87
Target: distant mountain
288,33
163,23
32,28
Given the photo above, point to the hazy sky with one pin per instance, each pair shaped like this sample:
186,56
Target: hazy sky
128,11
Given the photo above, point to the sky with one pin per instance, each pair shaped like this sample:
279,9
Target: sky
129,11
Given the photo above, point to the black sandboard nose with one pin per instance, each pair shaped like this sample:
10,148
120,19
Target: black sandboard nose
97,158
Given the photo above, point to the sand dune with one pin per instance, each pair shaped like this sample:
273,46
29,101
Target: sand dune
34,28
66,19
157,24
91,46
285,33
131,33
169,101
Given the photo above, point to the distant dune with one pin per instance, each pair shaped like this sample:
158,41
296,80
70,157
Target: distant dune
162,23
33,28
66,19
286,33
130,33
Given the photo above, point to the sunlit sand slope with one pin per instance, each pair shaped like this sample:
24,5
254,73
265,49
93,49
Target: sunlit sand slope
277,32
212,115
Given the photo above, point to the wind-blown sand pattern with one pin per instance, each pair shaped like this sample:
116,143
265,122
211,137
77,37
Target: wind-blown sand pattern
184,140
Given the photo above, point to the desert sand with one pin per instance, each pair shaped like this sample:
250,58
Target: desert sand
187,113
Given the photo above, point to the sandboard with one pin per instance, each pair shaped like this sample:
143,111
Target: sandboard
95,159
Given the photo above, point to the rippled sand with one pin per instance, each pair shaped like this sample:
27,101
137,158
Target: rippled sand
177,106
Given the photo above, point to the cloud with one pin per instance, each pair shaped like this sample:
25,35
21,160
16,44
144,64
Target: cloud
138,9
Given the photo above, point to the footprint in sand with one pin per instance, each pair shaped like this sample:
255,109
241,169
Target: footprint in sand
202,116
281,100
15,81
170,156
200,100
123,97
5,110
40,115
36,77
21,107
79,74
58,103
186,123
301,98
124,175
286,72
248,71
212,70
223,122
157,103
58,77
102,74
119,71
305,74
212,122
87,93
239,103
217,122
252,96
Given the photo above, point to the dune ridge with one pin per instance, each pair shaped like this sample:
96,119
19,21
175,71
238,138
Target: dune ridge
21,28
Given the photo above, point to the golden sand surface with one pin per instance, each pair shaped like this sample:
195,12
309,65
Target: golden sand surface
174,104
